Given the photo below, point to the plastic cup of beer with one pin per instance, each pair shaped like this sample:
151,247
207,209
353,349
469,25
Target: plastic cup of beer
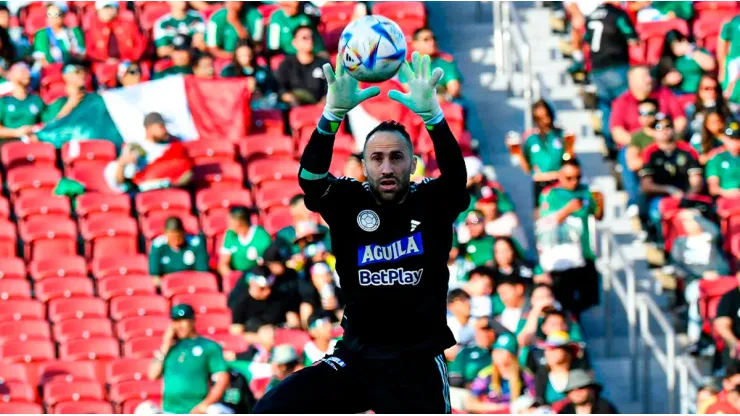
569,138
514,144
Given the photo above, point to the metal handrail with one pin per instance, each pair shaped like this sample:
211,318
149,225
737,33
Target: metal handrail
647,308
689,381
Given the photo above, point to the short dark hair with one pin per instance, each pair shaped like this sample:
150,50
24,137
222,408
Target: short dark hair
392,126
418,32
483,271
648,100
240,214
457,294
174,224
571,162
301,27
201,56
296,199
555,312
732,369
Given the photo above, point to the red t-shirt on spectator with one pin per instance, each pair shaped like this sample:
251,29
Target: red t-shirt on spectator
129,41
721,407
625,113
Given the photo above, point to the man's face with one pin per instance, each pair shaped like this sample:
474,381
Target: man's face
542,118
157,132
303,40
322,330
266,336
640,81
54,17
733,145
180,57
484,335
570,177
460,307
132,76
184,328
299,212
554,323
276,268
542,296
258,291
108,13
20,75
204,68
663,132
237,226
647,114
178,6
175,238
425,43
476,226
512,295
479,285
389,165
580,397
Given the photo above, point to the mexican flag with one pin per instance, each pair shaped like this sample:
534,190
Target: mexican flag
192,107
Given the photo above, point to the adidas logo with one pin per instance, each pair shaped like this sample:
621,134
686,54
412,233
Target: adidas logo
414,224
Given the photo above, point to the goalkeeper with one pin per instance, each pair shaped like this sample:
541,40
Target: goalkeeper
391,239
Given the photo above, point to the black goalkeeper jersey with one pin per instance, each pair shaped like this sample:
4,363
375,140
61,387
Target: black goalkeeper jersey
391,258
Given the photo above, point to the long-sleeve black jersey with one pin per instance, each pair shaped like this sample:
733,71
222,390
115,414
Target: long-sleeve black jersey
391,258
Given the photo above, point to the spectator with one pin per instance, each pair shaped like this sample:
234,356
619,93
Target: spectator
509,263
727,323
729,405
541,301
75,77
20,110
708,98
179,21
111,38
473,240
244,64
551,321
353,168
158,161
459,321
261,350
244,243
706,396
650,11
283,22
284,362
304,220
425,43
300,77
711,136
648,110
237,20
682,65
728,50
480,286
496,387
584,396
471,359
320,294
192,367
57,42
322,341
552,378
312,247
8,54
498,211
129,74
180,53
203,66
175,251
723,169
511,292
16,40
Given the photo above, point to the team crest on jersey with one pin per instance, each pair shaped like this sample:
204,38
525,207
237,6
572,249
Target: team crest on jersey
368,220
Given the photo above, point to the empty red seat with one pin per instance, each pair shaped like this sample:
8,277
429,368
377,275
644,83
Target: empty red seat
130,285
213,323
92,203
14,372
221,174
66,371
153,225
77,308
710,294
294,337
210,199
62,391
85,328
59,266
136,390
15,154
203,302
20,408
172,201
266,146
17,391
12,267
120,265
20,309
32,205
127,369
24,330
304,118
139,305
85,151
29,351
267,121
409,15
141,326
276,193
210,150
260,171
109,233
142,347
652,35
91,176
151,12
14,289
188,282
230,342
277,219
49,237
334,18
83,407
8,242
37,179
706,29
63,287
90,349
215,224
4,207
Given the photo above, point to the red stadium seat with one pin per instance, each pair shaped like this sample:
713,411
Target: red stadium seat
343,143
49,237
92,203
91,176
304,118
14,289
334,18
17,391
261,171
29,351
8,244
214,226
730,7
90,349
276,193
294,337
13,372
127,369
130,285
383,108
277,219
86,328
266,146
219,174
60,266
32,205
710,294
63,287
188,282
230,342
142,347
36,179
20,408
78,308
84,407
142,326
149,14
213,199
204,151
4,207
86,151
24,330
120,265
109,233
267,121
21,309
66,372
135,390
170,201
15,154
153,225
213,323
652,35
62,391
203,302
410,15
707,27
12,267
139,305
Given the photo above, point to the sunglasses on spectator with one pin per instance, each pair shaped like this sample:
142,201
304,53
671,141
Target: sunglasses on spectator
134,71
574,178
54,14
648,113
474,221
662,126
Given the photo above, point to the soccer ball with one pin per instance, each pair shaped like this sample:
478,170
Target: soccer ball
372,48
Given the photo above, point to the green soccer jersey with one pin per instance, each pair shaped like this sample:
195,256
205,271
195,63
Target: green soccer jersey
726,168
15,113
312,353
56,47
731,33
682,9
246,250
695,142
641,140
556,197
545,153
221,34
173,70
468,362
451,72
164,259
167,27
50,112
280,32
187,371
691,73
480,250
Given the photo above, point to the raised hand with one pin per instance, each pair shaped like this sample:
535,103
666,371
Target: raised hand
422,95
344,92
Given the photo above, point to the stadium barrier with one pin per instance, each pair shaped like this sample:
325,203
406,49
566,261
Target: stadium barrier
651,349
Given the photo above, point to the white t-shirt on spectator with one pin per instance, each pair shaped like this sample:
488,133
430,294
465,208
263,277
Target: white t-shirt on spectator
480,306
585,6
510,318
464,334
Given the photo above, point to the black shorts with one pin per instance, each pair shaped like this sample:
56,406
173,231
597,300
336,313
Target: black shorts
538,187
340,384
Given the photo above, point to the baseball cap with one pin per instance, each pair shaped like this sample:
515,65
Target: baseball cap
181,42
506,342
283,354
733,130
153,118
474,217
488,194
71,68
559,339
182,311
261,279
662,121
318,319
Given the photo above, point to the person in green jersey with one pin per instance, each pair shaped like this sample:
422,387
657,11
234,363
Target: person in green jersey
180,54
424,42
674,9
20,110
179,21
237,20
320,327
728,50
175,251
682,65
470,360
244,243
711,138
192,368
74,82
478,247
283,22
57,42
723,170
285,361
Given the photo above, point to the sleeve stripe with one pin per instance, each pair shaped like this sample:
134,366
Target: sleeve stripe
312,176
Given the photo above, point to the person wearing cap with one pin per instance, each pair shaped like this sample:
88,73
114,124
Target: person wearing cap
75,77
244,244
472,240
56,42
285,361
552,378
192,368
498,212
584,396
282,24
179,52
471,359
723,169
497,386
111,38
129,74
304,220
730,404
20,110
320,294
179,21
236,20
322,343
553,321
176,251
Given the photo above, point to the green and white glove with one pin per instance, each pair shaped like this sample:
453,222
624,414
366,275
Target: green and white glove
422,95
344,92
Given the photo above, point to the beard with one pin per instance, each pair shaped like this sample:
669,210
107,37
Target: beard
381,187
